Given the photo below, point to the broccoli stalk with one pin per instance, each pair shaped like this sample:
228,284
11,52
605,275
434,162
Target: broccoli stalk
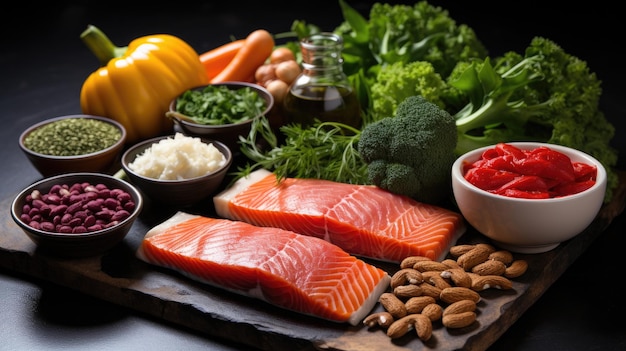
412,152
493,114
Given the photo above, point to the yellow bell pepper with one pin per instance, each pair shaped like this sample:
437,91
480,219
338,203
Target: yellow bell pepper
135,84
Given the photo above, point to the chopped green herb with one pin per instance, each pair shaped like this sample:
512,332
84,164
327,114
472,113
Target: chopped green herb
218,104
72,137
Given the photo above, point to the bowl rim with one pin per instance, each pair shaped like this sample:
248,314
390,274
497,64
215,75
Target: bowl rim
601,176
117,145
267,97
145,144
139,203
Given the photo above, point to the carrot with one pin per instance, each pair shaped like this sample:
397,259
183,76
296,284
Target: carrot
215,60
257,48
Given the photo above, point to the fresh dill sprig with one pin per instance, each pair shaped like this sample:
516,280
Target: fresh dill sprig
325,150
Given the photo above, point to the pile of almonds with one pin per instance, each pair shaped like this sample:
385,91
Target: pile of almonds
424,291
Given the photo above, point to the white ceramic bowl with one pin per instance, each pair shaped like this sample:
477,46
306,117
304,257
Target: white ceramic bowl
528,225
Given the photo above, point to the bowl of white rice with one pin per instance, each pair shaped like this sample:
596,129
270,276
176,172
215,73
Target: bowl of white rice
177,170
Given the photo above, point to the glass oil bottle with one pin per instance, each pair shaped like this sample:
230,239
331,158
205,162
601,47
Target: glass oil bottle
322,91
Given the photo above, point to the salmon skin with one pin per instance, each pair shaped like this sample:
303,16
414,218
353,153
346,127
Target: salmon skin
288,270
364,220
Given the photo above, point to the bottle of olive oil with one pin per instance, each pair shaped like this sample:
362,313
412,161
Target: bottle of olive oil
322,91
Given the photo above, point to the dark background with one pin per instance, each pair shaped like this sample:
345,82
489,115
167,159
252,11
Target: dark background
592,32
43,64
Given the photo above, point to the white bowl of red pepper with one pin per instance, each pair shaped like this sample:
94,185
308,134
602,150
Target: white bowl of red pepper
77,214
528,197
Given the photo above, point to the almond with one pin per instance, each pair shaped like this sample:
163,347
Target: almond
478,254
458,320
400,327
417,304
426,266
407,291
457,293
406,276
381,319
423,327
392,304
503,256
433,311
460,306
410,261
484,282
434,278
458,250
489,267
430,290
516,269
458,276
450,263
421,324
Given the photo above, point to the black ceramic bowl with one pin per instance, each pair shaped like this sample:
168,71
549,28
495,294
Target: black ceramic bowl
99,161
77,244
225,133
176,192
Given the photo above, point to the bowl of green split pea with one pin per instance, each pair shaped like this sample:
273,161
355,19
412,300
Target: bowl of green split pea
73,143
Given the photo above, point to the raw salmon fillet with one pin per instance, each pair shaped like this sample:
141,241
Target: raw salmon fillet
363,220
292,271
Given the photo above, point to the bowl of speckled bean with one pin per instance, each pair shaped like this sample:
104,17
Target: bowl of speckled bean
73,143
77,214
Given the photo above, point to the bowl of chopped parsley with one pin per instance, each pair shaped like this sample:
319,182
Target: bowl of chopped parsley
221,111
73,143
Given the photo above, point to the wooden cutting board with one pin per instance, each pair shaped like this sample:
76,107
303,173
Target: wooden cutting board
119,277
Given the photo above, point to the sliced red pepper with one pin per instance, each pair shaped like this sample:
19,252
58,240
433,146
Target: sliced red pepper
583,171
510,150
503,163
572,188
490,153
547,163
468,165
488,178
526,183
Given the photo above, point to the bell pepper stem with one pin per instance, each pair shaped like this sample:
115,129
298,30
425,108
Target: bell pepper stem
100,45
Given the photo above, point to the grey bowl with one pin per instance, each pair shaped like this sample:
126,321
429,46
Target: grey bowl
225,133
176,193
77,244
99,161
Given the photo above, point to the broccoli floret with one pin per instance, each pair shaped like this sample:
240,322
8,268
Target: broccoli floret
545,95
412,152
398,81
